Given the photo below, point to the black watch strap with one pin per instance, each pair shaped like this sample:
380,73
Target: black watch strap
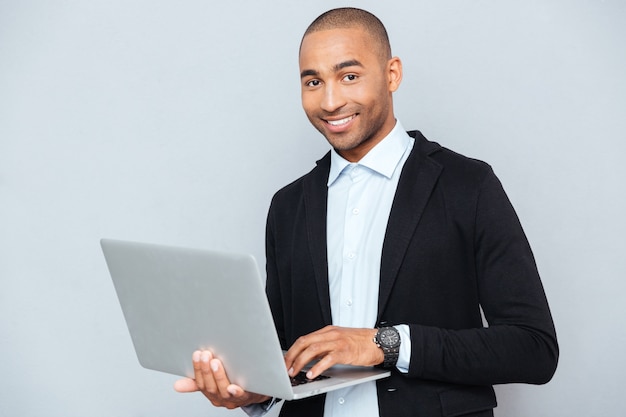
388,339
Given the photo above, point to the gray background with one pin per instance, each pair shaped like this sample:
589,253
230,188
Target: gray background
174,122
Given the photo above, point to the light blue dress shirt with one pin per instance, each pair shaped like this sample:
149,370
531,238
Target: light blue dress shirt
359,202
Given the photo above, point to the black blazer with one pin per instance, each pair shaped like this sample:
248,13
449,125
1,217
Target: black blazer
453,244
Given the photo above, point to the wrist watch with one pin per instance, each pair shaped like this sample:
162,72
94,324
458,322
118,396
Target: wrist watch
388,339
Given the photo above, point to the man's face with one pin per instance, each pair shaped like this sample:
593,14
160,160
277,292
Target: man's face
346,89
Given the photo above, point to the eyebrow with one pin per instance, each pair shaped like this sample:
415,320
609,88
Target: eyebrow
336,68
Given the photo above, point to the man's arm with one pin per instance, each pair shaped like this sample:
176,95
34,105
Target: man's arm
520,344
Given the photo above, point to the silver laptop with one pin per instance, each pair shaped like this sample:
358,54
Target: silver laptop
177,300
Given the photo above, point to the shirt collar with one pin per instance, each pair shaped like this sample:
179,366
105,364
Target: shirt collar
382,158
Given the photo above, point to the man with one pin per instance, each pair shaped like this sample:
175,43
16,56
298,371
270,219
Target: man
392,235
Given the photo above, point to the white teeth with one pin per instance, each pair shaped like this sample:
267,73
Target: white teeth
340,122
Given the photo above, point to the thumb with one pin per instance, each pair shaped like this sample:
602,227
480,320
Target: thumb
185,385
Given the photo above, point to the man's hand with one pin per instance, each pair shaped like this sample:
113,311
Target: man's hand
333,345
211,380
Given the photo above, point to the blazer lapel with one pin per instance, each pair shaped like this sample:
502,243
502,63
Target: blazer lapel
416,183
315,192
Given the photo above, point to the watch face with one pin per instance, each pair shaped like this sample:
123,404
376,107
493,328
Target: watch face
389,337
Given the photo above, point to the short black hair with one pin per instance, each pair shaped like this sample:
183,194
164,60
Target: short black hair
350,17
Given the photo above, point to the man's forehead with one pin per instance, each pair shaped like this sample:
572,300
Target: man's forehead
334,46
356,34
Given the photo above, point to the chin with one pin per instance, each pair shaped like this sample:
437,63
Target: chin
344,145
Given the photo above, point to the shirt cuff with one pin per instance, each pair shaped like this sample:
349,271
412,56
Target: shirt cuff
259,410
404,358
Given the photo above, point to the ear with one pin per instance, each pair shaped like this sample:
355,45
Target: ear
394,73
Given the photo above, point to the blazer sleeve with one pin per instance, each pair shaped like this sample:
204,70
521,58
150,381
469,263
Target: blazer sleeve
519,344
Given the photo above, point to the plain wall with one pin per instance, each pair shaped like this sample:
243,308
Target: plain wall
175,121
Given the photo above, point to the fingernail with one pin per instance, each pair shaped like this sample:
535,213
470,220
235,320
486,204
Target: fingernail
290,371
196,356
232,390
205,357
215,365
309,374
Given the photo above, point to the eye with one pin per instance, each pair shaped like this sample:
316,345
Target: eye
350,77
312,83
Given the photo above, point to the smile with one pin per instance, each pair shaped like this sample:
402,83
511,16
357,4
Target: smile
340,122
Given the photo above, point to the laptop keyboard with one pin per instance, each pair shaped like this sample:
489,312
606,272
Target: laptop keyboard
302,379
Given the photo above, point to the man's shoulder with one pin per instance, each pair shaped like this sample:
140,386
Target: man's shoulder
453,164
318,175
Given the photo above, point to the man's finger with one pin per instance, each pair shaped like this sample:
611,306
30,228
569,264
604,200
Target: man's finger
186,385
210,387
321,366
221,380
198,370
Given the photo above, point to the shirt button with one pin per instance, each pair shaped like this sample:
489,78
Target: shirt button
351,255
341,401
349,303
355,211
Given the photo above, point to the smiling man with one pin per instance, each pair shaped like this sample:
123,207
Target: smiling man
386,252
347,89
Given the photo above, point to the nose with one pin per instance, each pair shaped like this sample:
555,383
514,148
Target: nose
333,98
